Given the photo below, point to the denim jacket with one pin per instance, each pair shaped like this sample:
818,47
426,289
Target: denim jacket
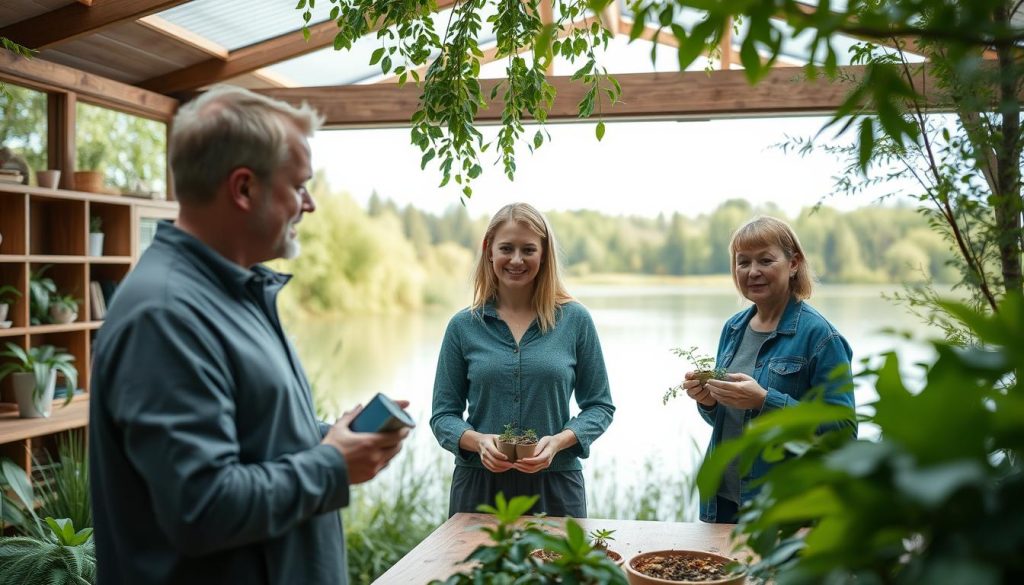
799,355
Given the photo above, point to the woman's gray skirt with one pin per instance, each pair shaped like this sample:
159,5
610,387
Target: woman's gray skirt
562,493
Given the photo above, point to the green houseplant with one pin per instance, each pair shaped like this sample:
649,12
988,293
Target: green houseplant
703,366
49,550
40,289
936,499
63,308
90,158
7,296
34,375
507,558
95,236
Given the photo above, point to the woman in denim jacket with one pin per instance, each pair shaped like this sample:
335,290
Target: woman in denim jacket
775,352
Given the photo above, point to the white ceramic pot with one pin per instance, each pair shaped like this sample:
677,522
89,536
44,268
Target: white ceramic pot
4,307
96,244
24,392
62,315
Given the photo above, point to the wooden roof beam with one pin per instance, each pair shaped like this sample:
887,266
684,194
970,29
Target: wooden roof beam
251,58
76,20
184,36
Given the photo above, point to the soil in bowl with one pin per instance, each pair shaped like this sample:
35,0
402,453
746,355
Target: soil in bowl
685,567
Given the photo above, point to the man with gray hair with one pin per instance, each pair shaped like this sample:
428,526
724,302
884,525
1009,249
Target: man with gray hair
208,464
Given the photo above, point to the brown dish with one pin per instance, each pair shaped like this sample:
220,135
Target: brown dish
681,567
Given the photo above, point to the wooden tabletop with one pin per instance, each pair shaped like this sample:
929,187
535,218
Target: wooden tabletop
438,556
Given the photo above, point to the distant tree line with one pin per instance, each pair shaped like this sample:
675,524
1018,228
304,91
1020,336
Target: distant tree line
388,258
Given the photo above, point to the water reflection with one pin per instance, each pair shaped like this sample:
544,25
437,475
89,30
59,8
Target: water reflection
351,359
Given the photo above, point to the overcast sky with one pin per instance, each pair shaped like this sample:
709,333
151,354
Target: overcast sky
640,168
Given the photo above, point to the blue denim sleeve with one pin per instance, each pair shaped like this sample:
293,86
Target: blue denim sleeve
593,392
451,392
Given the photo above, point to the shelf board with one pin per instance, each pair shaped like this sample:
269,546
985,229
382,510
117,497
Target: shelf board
13,331
73,416
13,258
76,326
109,259
65,195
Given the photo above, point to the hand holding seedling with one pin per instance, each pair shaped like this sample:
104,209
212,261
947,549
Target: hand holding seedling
491,457
696,389
737,391
547,447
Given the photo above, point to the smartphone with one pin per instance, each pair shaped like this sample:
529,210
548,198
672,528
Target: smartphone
381,415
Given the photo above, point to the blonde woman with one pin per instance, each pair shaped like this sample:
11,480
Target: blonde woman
516,356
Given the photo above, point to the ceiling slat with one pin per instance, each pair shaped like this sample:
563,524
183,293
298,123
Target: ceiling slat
75,20
250,58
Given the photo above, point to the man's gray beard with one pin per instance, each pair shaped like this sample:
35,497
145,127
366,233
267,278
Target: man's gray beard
292,248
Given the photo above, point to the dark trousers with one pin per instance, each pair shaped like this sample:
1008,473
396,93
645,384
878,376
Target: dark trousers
728,511
561,493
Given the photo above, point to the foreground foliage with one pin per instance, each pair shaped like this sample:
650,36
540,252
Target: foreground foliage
935,500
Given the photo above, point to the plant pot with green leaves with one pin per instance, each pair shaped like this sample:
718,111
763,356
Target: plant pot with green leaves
703,367
599,539
526,444
8,294
90,157
507,442
34,375
40,290
95,236
63,309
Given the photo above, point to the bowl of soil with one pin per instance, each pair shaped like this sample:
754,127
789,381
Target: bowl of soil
548,556
682,567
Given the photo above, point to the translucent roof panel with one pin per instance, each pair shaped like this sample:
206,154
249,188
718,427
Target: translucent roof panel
329,67
239,23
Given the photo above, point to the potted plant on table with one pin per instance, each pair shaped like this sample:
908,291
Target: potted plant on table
7,296
703,366
34,376
526,444
95,236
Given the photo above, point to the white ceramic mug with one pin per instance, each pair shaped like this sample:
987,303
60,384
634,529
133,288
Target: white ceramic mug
48,179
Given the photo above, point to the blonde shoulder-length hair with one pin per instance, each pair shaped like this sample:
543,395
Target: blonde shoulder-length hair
548,291
769,231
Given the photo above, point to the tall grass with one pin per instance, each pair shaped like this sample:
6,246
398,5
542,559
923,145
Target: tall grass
389,516
62,486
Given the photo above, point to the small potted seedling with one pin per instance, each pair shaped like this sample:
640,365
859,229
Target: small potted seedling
599,538
507,442
63,308
703,366
526,444
8,294
95,236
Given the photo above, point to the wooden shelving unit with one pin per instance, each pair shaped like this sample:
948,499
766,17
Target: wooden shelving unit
50,227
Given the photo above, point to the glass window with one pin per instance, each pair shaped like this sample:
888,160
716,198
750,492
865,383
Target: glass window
129,150
22,130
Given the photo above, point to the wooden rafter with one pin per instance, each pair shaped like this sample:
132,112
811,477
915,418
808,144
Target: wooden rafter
251,58
644,96
184,36
52,76
76,20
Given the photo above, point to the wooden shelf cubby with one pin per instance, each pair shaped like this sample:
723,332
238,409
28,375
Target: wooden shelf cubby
50,228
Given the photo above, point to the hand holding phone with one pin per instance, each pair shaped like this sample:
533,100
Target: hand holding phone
381,415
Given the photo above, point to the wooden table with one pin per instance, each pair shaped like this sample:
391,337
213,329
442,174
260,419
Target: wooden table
438,556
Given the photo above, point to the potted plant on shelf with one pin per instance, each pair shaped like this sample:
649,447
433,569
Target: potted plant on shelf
95,236
704,368
7,296
90,159
40,289
63,309
34,376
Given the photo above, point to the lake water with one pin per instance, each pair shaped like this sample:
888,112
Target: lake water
350,359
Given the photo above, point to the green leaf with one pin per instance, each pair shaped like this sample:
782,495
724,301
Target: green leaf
300,5
378,53
867,143
599,131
